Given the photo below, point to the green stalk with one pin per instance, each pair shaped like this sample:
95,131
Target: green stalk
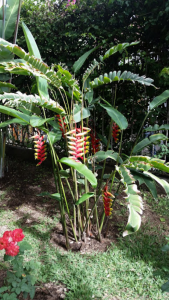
3,19
138,135
99,192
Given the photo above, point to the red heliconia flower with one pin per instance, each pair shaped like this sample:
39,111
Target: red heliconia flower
95,143
17,235
115,132
78,143
107,200
40,148
12,249
62,124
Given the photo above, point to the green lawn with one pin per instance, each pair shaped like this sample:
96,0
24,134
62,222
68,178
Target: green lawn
133,268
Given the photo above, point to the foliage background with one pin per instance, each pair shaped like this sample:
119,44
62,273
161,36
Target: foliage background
63,35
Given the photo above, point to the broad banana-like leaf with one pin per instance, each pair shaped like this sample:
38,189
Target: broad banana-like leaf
37,67
17,98
159,100
134,200
79,63
117,76
162,182
33,50
153,139
145,179
114,49
77,113
14,113
36,121
156,127
13,121
81,168
8,85
11,11
84,198
116,116
102,155
146,163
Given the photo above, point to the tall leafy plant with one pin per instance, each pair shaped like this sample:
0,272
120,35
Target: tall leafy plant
73,120
9,21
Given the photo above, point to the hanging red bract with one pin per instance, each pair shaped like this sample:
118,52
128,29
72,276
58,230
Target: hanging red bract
107,200
95,142
115,131
78,144
62,124
40,148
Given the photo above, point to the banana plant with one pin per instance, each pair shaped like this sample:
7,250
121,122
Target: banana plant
9,21
71,122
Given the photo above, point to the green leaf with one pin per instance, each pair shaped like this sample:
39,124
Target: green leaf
3,289
159,100
23,245
15,99
55,196
33,50
14,113
162,182
64,174
38,68
79,63
102,155
81,168
119,47
116,116
144,179
11,11
54,136
165,287
133,199
13,121
117,76
84,198
153,139
32,292
157,127
8,85
8,257
77,113
36,121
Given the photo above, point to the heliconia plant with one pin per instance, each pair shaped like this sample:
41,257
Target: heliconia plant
9,22
81,145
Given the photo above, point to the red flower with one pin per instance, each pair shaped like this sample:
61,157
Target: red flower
3,243
9,241
12,249
95,143
17,235
62,124
7,236
107,200
78,144
115,132
40,148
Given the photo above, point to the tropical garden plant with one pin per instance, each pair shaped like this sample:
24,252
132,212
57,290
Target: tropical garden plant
9,22
71,123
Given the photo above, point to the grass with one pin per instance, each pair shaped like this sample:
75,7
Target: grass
133,268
